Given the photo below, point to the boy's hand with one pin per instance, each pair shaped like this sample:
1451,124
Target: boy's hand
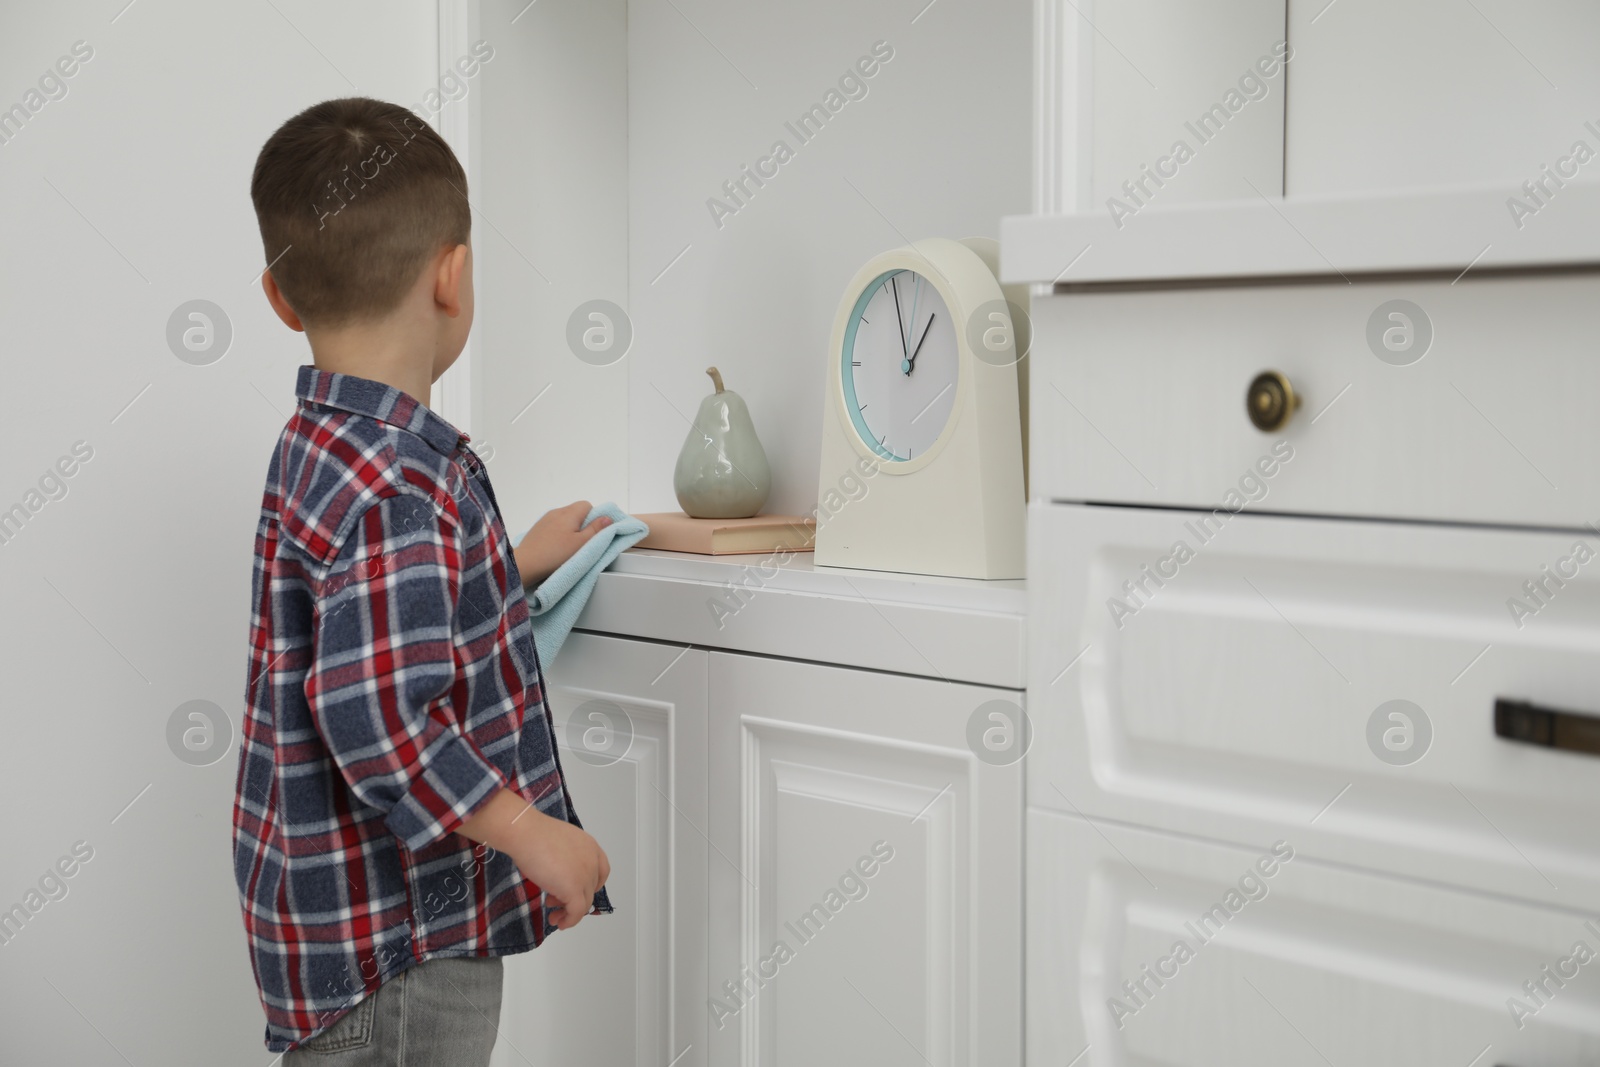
569,865
553,539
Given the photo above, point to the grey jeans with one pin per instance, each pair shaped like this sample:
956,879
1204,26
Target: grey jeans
441,1013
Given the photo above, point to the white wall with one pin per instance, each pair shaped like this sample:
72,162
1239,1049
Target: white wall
130,596
939,146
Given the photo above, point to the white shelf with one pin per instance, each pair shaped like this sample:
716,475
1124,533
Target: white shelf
1442,231
955,629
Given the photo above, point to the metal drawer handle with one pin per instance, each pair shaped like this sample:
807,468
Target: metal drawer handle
1519,720
1271,401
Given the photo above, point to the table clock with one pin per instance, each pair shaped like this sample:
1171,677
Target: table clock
925,405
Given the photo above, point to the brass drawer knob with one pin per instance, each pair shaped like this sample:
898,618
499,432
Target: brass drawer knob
1270,401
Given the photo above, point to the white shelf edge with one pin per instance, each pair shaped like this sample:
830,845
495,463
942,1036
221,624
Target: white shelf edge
955,629
1435,231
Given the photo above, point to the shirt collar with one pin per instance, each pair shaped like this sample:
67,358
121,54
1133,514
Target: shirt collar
385,403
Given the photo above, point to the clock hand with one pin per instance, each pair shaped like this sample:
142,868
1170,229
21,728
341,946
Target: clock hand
916,294
912,362
900,322
909,361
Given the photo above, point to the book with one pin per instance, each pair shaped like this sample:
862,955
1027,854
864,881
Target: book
676,532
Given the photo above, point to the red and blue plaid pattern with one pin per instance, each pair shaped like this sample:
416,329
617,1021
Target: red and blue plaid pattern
391,663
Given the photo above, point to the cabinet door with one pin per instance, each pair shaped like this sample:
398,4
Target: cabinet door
1149,949
1170,78
866,874
1431,93
622,989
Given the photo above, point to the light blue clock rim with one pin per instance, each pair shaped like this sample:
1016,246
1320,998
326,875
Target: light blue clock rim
847,375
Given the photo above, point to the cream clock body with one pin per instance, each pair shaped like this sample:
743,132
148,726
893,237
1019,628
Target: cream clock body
923,398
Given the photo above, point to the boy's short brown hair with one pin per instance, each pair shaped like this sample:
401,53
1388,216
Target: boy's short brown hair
353,197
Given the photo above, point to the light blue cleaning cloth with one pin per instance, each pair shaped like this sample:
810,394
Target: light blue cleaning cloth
558,601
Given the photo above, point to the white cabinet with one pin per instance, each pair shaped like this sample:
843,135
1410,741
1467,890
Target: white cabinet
842,810
1321,636
1371,632
866,878
624,989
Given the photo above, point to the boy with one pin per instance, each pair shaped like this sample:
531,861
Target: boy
396,710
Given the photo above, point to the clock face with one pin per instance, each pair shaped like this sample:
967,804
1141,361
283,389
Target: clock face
900,365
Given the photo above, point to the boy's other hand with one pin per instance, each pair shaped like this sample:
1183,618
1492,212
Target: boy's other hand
568,864
552,540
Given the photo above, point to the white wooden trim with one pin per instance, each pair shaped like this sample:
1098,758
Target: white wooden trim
1063,112
1046,130
1442,230
458,19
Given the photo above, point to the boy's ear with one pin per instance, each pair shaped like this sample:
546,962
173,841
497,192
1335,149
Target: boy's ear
269,285
449,279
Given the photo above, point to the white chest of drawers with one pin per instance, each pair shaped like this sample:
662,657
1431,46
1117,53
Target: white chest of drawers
1300,638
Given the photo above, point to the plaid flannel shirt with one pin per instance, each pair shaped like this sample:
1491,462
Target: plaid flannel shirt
393,688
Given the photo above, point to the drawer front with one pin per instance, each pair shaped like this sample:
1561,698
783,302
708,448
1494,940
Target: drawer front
1307,964
1250,695
1139,397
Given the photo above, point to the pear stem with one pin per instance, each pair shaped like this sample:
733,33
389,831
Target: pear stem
716,377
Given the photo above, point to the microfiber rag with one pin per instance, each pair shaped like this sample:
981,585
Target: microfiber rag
558,601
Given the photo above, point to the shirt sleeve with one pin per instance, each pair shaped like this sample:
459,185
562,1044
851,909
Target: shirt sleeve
384,671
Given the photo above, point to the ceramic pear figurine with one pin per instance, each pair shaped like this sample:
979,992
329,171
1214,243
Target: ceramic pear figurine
722,472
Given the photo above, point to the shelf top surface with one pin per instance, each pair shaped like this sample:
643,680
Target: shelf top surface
800,574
